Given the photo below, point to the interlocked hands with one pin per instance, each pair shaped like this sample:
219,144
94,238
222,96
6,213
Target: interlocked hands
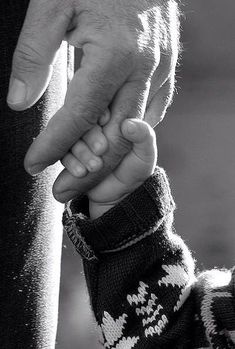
130,50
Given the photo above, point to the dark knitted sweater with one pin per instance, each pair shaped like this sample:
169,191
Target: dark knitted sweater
141,278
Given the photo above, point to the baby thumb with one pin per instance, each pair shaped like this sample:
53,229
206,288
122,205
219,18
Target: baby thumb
143,137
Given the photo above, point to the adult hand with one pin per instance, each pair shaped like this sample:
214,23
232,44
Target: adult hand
129,55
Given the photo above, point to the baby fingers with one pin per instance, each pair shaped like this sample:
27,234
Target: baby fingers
73,165
85,154
96,140
81,159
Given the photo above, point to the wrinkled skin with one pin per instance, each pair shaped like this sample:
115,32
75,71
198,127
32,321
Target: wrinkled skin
130,51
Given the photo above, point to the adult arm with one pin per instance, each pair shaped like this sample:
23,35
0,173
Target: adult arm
130,51
30,228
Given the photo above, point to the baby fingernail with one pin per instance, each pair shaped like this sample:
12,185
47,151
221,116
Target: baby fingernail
80,171
92,165
131,127
98,146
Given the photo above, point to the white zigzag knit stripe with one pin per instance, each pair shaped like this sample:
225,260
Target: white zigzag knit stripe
140,296
127,343
112,329
152,318
185,292
157,329
113,332
150,310
177,276
206,311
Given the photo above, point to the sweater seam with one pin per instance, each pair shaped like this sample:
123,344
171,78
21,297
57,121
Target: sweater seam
134,239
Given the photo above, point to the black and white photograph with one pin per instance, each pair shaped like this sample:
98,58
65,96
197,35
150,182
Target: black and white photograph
117,146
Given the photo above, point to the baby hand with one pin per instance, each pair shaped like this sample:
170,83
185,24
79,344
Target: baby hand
85,155
134,169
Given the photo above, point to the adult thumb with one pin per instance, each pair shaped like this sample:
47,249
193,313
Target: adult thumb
39,40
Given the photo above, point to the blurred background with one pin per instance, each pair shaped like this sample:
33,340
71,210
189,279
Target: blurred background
197,149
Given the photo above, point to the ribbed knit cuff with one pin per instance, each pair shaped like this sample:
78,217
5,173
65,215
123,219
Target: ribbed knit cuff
131,220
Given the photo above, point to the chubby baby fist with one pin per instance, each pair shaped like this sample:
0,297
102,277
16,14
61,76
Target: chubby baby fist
85,155
133,170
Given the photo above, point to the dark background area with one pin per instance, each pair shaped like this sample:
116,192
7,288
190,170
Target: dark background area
197,149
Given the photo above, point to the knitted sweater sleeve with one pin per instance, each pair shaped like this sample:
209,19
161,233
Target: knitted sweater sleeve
141,276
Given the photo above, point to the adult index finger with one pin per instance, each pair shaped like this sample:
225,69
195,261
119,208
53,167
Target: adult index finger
89,94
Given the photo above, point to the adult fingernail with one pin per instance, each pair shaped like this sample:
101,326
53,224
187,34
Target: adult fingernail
35,169
17,92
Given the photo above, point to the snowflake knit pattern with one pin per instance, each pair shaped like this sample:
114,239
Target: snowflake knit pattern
141,278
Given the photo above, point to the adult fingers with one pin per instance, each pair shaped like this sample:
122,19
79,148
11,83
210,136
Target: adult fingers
43,31
88,96
129,101
159,103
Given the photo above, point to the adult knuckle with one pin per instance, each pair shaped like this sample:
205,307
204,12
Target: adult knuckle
56,8
102,82
169,60
26,58
93,111
127,56
127,45
120,145
165,70
58,146
149,63
84,115
121,44
169,92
